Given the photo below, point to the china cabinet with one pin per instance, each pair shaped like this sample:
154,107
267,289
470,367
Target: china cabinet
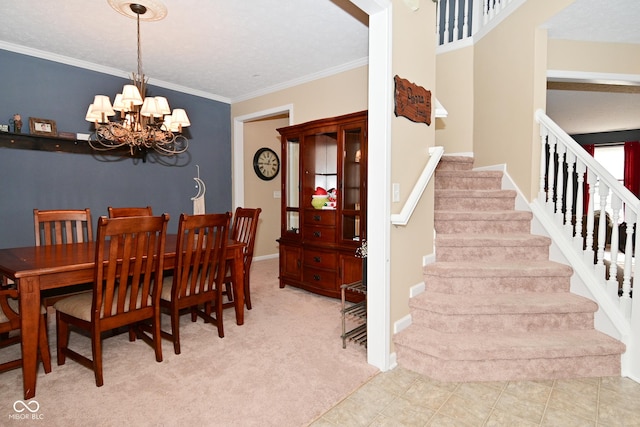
323,214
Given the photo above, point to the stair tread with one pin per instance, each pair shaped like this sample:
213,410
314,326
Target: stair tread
507,303
510,345
498,269
458,159
454,193
483,215
468,173
494,239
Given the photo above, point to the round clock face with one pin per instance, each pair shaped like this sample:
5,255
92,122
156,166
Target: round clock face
266,164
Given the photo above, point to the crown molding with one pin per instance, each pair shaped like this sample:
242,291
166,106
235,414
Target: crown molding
106,70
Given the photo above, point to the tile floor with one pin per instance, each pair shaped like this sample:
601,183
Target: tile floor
403,398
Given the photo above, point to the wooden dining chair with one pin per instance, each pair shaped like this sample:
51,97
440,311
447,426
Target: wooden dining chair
129,211
197,280
60,226
10,323
245,225
129,261
57,227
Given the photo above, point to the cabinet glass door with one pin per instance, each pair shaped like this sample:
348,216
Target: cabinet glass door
291,190
321,170
352,199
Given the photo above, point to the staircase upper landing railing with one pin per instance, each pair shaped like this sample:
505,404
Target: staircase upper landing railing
460,19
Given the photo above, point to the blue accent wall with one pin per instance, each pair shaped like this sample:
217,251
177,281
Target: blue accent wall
29,179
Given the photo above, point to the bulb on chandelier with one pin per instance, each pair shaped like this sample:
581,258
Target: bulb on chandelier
143,123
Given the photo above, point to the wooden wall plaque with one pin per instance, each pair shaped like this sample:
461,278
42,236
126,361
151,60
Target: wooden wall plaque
412,101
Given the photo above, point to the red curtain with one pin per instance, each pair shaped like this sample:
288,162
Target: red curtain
632,167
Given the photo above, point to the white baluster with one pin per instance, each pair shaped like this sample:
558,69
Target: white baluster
589,252
631,219
603,192
542,194
551,174
560,185
612,284
578,238
465,22
456,12
447,9
568,206
438,7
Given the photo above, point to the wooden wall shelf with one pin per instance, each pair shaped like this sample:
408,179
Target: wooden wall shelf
48,143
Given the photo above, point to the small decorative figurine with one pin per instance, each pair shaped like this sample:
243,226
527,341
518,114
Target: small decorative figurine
319,198
17,123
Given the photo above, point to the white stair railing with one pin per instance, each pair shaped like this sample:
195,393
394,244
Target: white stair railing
570,182
460,19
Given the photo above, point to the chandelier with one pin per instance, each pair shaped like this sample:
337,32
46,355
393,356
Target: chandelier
144,123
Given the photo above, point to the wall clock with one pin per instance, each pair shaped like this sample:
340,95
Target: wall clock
266,164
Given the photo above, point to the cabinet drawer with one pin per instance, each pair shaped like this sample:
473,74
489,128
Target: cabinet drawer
319,217
320,234
320,278
320,259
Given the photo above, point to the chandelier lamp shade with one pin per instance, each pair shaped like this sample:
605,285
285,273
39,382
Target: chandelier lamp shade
135,121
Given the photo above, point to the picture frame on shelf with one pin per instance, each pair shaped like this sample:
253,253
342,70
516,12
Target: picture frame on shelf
43,127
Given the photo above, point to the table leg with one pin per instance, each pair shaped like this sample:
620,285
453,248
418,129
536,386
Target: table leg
238,285
29,289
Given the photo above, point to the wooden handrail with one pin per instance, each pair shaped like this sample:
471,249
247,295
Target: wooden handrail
405,214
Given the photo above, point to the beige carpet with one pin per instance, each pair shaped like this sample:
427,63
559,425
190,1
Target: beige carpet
284,367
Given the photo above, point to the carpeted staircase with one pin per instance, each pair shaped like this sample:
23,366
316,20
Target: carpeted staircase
495,307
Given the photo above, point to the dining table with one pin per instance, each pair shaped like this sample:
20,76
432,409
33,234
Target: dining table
37,268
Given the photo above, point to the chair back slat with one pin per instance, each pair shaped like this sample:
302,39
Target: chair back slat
57,227
130,251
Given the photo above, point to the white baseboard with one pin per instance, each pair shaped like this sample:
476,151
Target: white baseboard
393,361
263,257
402,324
428,259
416,290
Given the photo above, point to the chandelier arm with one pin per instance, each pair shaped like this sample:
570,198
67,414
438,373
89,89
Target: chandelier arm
179,145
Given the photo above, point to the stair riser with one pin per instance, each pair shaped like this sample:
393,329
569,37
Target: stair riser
492,253
474,203
461,323
507,370
468,183
455,164
495,285
475,227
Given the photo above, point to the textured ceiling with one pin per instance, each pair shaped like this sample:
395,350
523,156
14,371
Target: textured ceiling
235,49
226,48
612,21
590,111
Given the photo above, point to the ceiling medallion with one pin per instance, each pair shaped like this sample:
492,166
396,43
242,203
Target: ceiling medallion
155,11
